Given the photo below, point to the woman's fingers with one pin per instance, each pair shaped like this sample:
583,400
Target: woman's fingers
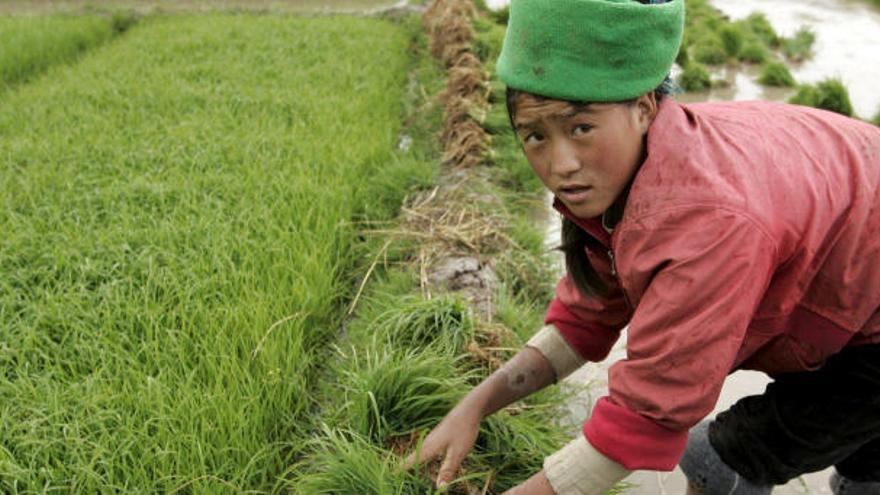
420,456
451,463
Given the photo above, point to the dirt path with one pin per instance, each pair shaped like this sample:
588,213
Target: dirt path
150,6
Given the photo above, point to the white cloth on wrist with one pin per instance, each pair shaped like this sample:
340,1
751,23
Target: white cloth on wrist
580,469
553,346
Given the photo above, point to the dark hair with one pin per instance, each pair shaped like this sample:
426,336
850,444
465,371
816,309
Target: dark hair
574,239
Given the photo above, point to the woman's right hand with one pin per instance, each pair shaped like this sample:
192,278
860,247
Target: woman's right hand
455,436
451,441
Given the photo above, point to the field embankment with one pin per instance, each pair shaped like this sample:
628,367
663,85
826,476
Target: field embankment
177,211
31,44
458,283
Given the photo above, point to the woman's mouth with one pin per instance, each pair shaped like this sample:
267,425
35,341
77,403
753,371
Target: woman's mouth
575,194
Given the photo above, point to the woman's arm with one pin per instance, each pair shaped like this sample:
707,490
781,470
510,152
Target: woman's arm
527,372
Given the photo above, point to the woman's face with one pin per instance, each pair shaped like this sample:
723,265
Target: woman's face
585,155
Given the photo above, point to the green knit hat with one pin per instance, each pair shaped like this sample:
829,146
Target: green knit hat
590,50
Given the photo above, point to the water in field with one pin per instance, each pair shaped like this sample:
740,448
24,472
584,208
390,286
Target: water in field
847,37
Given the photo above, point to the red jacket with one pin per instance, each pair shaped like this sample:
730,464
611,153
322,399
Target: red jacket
750,239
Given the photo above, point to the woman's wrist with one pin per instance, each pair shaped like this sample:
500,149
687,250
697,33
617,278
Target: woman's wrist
524,374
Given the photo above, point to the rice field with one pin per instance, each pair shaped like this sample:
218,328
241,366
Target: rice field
31,44
179,212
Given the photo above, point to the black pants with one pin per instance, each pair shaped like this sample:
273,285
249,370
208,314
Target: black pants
805,422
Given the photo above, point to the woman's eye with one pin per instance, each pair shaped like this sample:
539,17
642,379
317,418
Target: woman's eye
582,129
533,138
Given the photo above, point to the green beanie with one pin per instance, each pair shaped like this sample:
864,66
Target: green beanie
590,50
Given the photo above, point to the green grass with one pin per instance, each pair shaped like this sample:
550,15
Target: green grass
177,214
30,44
829,94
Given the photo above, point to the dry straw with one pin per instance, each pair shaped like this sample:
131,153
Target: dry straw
450,33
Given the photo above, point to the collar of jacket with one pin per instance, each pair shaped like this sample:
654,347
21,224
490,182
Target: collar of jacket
592,226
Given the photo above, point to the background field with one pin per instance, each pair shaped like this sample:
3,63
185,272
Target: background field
177,213
29,45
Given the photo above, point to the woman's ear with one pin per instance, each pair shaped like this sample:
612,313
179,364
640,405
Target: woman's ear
646,110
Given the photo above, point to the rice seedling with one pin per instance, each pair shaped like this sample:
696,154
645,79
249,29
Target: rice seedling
829,94
776,74
31,44
390,394
177,217
732,38
695,77
514,442
442,323
758,25
345,462
800,46
754,52
709,49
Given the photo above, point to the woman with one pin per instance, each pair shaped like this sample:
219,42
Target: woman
724,235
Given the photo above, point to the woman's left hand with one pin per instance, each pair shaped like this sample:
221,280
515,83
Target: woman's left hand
536,485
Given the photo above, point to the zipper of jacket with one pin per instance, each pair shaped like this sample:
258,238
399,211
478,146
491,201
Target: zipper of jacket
619,283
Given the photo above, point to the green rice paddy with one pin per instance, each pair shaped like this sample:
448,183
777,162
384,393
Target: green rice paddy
179,213
30,44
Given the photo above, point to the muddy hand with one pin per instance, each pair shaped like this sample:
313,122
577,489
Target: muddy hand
451,440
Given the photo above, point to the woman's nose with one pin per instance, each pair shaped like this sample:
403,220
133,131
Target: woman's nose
563,159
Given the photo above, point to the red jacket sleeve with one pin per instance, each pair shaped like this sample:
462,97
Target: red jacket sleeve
701,276
590,324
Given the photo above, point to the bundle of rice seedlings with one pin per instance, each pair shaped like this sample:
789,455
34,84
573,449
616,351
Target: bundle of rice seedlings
800,46
695,77
468,83
732,39
466,145
754,52
449,27
829,94
710,50
514,442
776,74
758,25
452,52
443,323
345,462
467,59
390,394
